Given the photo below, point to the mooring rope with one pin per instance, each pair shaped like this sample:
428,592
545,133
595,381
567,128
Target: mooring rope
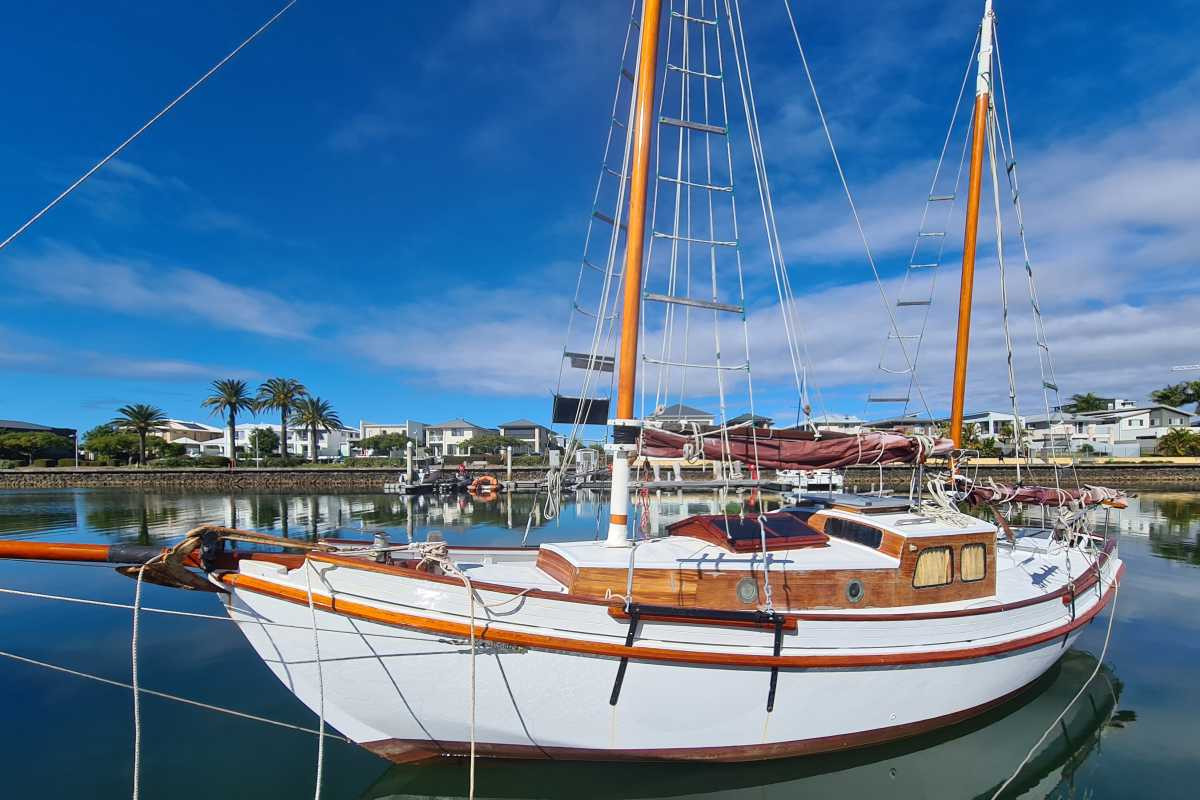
1099,662
168,696
312,610
137,704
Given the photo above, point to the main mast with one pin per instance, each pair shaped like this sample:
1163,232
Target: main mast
983,89
625,427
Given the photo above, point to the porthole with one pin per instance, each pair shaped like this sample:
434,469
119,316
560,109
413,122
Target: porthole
747,590
855,590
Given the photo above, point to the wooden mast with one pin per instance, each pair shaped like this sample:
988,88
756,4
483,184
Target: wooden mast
983,86
625,430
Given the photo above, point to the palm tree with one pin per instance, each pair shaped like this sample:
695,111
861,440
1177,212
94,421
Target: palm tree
228,398
1178,442
1178,395
143,419
1086,402
313,413
281,394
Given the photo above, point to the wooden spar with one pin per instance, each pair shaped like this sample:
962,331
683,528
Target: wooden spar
983,85
624,430
639,183
65,551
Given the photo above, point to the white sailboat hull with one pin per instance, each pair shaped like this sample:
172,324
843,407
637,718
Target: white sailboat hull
406,694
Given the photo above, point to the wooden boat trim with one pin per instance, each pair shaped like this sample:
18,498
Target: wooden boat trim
404,751
1085,581
486,632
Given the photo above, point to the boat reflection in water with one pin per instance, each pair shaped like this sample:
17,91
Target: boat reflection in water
972,759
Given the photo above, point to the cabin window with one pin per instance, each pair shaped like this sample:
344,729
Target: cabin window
854,532
933,567
972,564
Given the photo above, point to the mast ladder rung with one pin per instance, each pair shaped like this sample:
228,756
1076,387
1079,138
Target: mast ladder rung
689,365
596,267
890,371
618,122
686,18
913,302
885,399
703,127
591,314
693,302
1051,386
931,234
938,198
934,265
694,73
600,215
894,335
710,242
627,75
612,172
692,184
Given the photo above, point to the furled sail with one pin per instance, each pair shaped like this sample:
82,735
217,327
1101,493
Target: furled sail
992,493
793,449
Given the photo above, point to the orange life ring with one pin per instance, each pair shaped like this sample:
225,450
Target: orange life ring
484,484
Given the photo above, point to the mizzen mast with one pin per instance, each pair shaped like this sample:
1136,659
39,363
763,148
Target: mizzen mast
983,91
625,427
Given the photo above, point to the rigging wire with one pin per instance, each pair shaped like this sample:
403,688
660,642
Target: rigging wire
787,5
117,150
1049,378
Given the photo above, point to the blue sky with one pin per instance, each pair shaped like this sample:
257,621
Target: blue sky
388,201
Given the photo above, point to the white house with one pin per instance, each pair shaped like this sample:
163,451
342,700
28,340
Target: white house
450,438
990,424
1122,431
330,444
410,427
536,437
910,423
175,429
838,423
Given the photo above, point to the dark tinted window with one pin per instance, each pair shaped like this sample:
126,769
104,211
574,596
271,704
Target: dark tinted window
785,525
854,532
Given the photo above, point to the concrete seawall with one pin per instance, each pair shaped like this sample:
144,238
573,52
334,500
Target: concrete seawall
369,479
372,479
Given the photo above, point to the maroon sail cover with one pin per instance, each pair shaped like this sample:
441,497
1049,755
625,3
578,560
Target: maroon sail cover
795,449
1044,495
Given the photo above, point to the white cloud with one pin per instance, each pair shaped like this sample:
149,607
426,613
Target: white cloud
23,353
65,274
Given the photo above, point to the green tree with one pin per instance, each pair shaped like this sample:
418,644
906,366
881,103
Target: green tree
263,441
104,440
1085,402
1178,394
158,447
281,394
229,396
313,414
492,443
384,443
1179,442
34,443
141,419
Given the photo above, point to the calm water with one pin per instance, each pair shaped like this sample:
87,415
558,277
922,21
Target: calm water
1134,733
